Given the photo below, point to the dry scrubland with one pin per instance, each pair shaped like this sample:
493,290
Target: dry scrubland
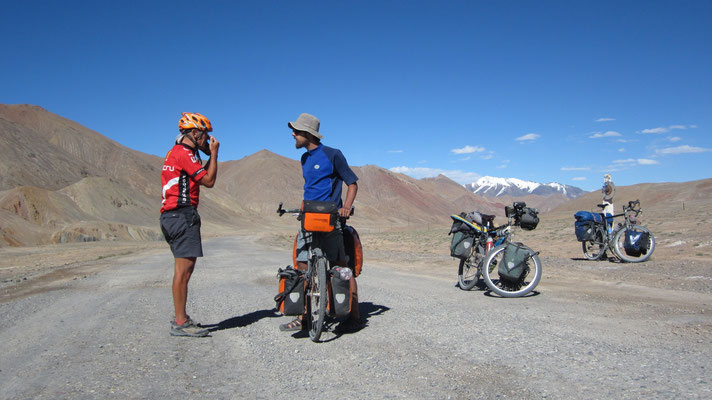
682,259
681,236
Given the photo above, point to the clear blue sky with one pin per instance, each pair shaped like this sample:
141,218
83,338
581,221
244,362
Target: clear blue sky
546,91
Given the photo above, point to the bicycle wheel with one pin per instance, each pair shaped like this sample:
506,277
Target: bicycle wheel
645,251
595,248
468,273
317,299
503,287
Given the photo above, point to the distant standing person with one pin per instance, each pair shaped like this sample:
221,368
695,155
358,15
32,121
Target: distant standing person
325,170
608,191
181,177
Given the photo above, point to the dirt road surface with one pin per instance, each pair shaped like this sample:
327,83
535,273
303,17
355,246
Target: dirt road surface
592,331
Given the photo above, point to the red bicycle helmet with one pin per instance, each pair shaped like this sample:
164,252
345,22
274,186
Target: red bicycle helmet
195,121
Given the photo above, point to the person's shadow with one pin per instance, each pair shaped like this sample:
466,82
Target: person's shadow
369,310
242,320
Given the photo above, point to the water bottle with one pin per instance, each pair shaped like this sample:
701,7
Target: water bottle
489,244
344,273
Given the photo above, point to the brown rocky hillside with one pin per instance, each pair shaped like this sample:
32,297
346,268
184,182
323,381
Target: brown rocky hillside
63,182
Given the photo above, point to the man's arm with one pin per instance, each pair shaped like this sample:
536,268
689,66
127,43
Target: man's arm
209,179
350,197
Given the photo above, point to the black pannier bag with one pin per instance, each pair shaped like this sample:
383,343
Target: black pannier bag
513,267
340,294
529,218
463,236
636,243
290,299
461,244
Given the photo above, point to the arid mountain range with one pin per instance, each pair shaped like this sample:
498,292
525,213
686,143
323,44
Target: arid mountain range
62,182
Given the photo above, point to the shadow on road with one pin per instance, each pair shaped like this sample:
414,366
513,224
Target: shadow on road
605,258
367,310
533,293
242,320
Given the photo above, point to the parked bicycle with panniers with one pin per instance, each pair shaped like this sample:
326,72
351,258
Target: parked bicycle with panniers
628,241
488,256
320,291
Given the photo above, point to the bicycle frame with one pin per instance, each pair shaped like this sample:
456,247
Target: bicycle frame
314,250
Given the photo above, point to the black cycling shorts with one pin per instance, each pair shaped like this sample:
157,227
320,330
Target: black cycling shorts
332,244
181,228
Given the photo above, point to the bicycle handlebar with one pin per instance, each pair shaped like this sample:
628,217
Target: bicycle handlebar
631,206
281,211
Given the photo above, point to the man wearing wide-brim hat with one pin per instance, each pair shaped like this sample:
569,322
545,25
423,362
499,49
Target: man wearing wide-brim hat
325,170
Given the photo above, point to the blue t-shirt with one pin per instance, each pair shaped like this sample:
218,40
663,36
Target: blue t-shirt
324,169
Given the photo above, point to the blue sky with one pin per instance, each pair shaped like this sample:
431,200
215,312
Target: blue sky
545,91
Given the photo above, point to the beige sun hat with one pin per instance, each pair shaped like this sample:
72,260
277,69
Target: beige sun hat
307,123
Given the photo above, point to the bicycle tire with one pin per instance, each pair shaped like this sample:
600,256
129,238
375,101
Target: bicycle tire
619,240
489,273
594,249
317,299
467,274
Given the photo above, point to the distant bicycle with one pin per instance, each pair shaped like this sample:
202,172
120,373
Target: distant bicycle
509,269
629,241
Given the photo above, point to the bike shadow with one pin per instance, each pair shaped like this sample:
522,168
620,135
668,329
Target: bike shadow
533,293
241,321
367,311
481,286
609,259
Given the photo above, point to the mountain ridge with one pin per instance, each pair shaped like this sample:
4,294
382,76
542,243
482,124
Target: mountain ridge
496,187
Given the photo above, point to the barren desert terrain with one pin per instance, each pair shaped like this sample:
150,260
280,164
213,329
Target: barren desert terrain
96,325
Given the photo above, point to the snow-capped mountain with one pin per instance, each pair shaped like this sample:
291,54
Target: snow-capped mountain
496,187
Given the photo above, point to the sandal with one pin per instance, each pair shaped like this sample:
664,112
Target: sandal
294,325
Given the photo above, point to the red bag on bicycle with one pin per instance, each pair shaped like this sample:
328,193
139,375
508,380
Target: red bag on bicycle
290,299
353,248
319,216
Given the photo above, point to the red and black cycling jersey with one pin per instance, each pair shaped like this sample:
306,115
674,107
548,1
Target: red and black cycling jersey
181,177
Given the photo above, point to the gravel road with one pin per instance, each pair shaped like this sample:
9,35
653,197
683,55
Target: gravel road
101,331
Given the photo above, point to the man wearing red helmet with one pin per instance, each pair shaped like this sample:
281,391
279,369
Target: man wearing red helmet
181,177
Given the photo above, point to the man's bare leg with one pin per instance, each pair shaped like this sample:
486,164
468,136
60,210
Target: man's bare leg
183,270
